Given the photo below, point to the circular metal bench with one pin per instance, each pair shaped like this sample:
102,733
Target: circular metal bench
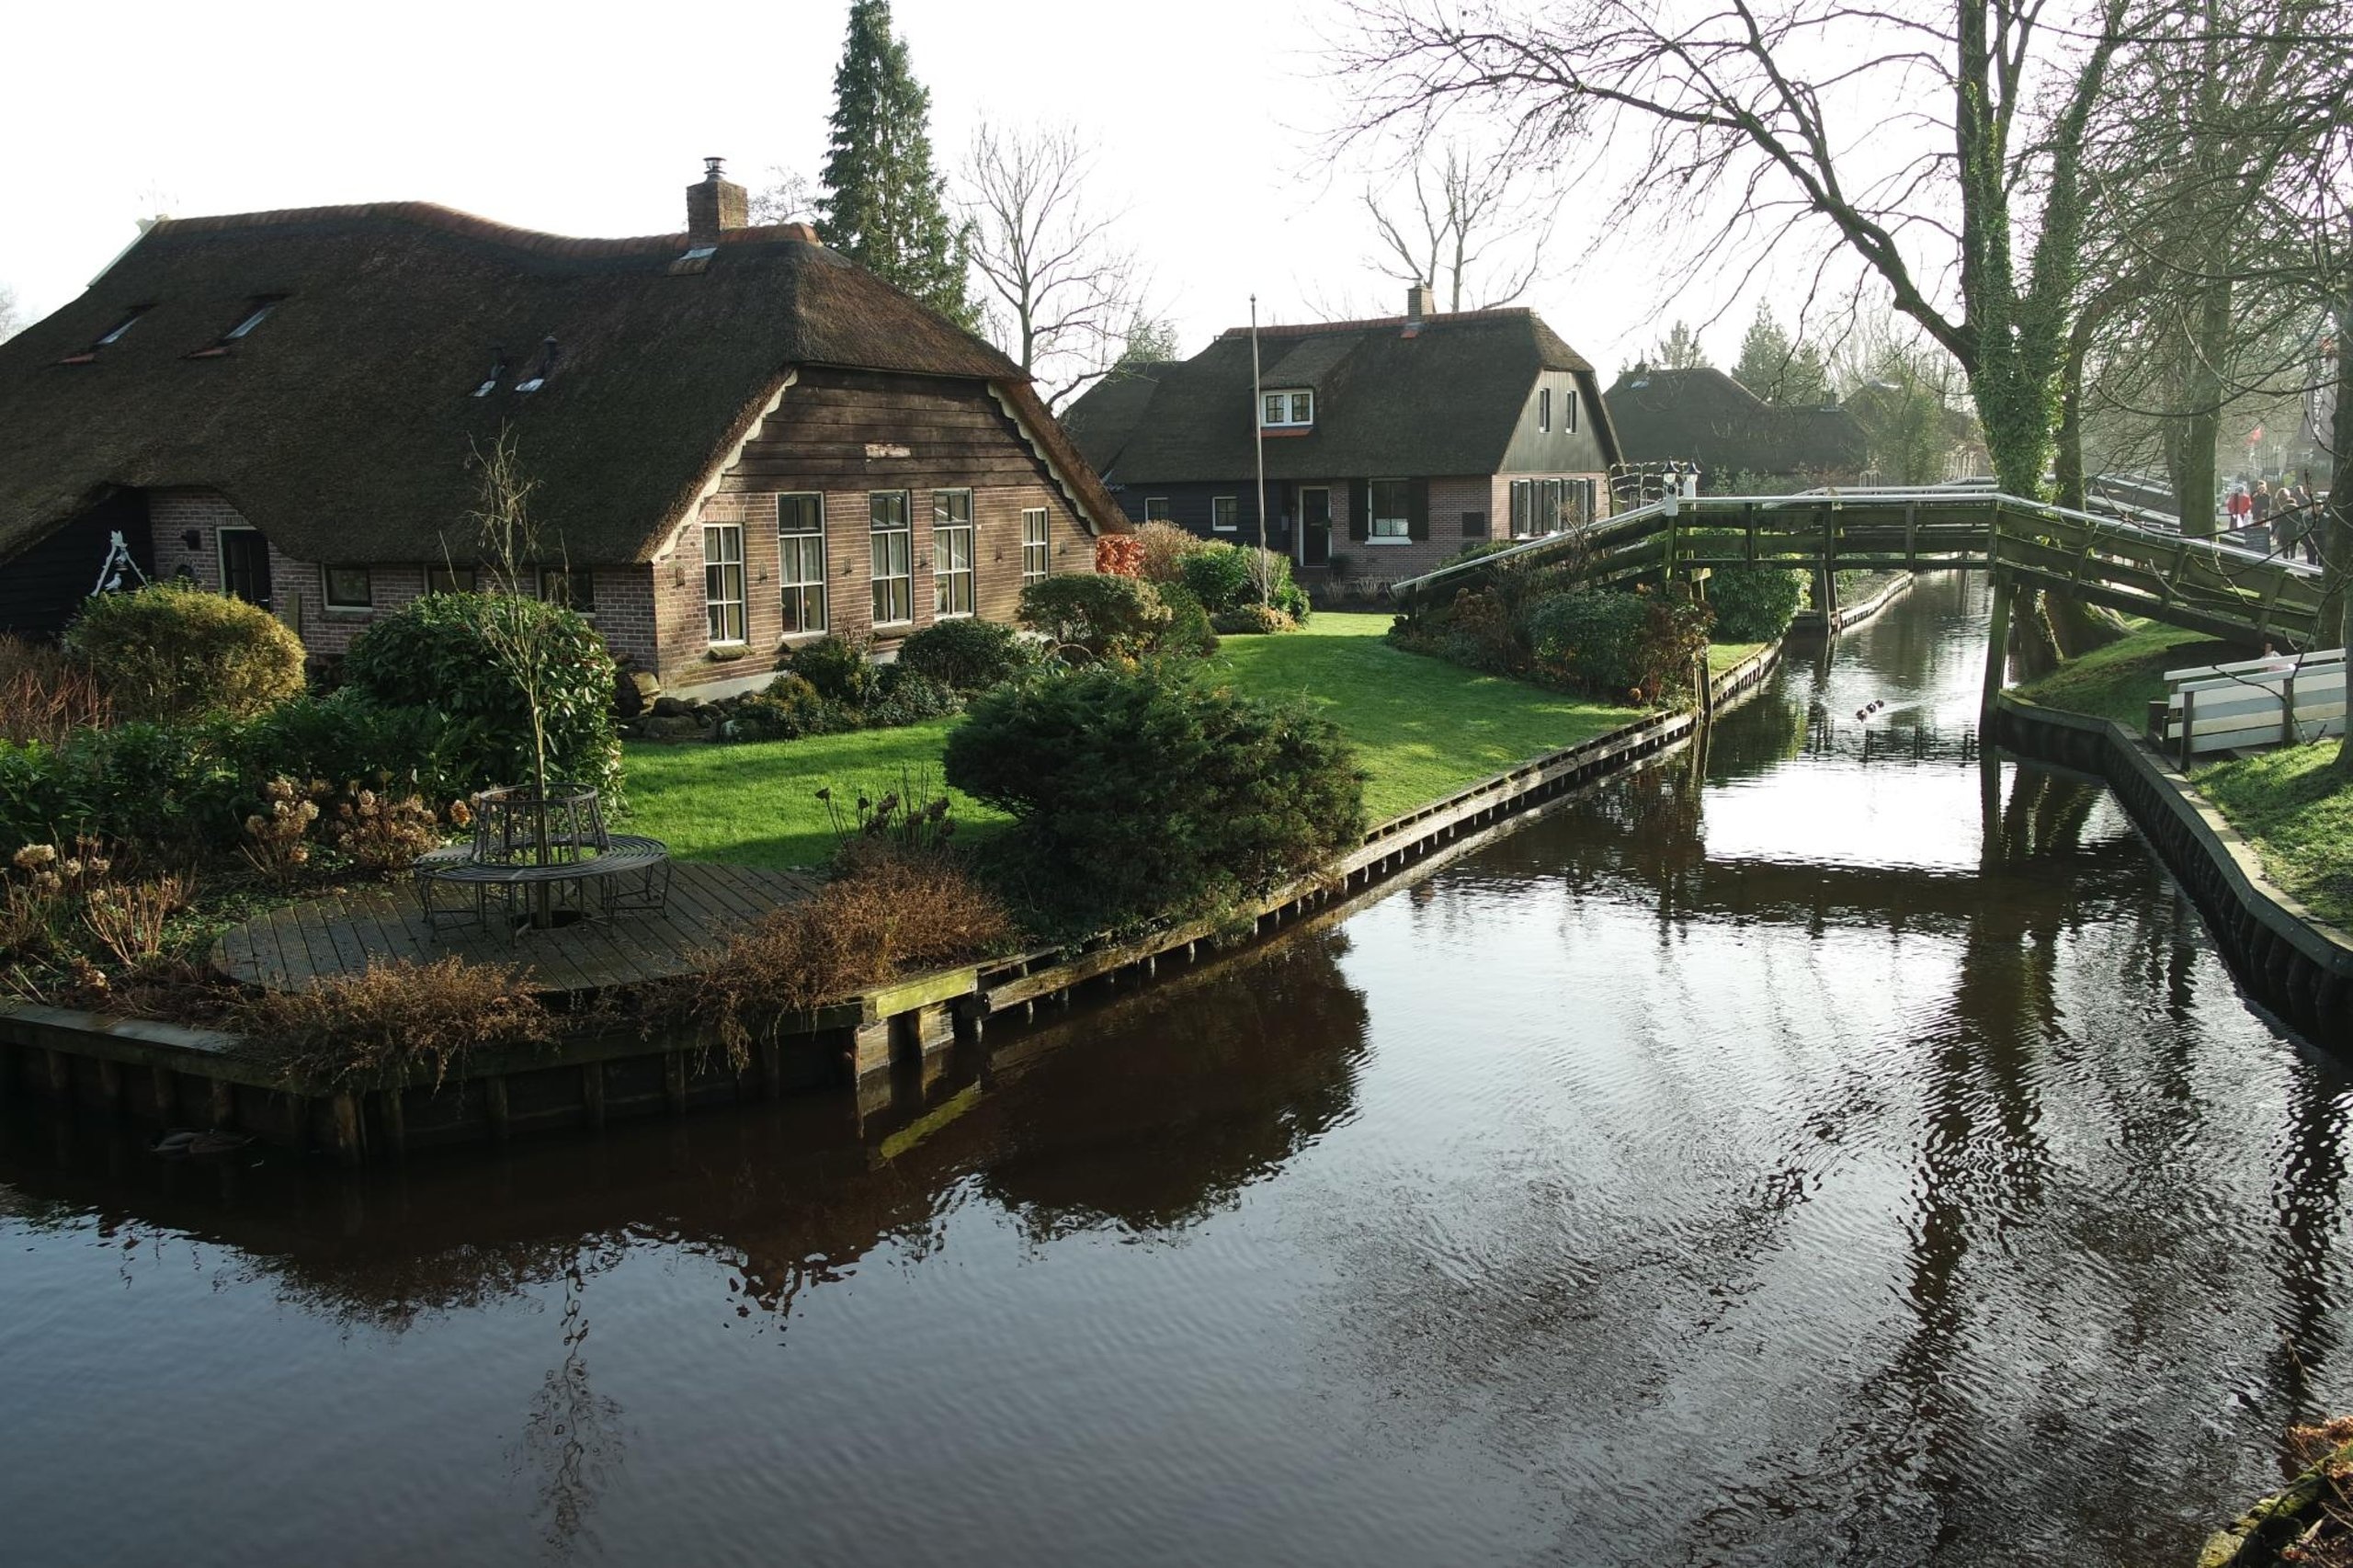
625,874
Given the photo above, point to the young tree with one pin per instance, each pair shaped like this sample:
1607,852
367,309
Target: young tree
1679,350
787,197
1065,290
1777,370
1149,340
11,323
884,206
1467,220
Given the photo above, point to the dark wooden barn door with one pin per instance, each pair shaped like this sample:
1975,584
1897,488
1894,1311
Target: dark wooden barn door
1315,528
244,565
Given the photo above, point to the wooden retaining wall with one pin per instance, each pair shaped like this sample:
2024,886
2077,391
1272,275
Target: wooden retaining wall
880,1042
2286,958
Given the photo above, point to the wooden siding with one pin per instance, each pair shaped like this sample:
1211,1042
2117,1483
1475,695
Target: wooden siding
42,588
1557,450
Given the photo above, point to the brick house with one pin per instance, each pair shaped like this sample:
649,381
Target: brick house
738,438
1389,444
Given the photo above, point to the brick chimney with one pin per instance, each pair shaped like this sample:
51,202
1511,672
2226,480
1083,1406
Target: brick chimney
714,205
1421,302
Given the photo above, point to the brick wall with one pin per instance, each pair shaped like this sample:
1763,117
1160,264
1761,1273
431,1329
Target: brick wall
680,613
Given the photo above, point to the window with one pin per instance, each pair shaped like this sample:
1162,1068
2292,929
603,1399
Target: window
1225,514
1037,546
801,561
894,576
449,579
570,586
1475,525
1155,509
1390,503
723,580
952,551
348,588
1287,410
261,309
122,326
1569,409
1544,409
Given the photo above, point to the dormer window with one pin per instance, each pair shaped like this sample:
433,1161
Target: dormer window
540,372
122,326
1287,411
497,373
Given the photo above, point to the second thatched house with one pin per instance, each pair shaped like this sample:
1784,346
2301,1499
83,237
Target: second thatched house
1738,441
738,438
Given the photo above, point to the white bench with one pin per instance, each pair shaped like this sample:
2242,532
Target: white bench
2280,700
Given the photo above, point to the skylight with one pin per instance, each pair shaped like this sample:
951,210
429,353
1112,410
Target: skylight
540,372
261,309
122,326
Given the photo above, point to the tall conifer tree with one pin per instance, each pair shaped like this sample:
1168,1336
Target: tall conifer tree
883,205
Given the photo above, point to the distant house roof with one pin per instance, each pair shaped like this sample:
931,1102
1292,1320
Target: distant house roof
1704,416
1440,396
341,424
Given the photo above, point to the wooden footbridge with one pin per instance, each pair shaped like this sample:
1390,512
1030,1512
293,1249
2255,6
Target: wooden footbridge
2139,569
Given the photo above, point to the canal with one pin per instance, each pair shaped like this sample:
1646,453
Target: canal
1830,1149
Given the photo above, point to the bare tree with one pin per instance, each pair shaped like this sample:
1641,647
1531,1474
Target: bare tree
1466,212
1066,292
11,320
789,197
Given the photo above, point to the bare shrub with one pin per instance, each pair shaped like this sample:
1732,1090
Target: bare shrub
391,1019
1163,547
129,918
276,837
46,694
379,835
895,911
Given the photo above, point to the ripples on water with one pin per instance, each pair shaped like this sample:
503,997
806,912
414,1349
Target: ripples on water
1848,1154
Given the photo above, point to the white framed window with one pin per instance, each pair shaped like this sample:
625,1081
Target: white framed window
348,587
893,557
1037,546
801,561
1391,502
723,580
1544,409
1225,514
952,552
573,585
1155,509
1287,410
1523,508
1569,409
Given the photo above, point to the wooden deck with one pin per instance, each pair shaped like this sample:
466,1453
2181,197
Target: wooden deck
338,935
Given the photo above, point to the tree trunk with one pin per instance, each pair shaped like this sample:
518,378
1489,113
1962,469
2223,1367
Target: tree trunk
2337,549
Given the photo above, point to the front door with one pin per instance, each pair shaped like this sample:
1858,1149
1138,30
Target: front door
244,565
1315,528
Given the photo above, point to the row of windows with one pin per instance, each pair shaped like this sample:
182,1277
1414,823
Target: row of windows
256,310
1548,506
1544,410
1537,507
801,561
353,588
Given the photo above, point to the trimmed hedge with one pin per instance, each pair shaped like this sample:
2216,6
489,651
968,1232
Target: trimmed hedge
967,656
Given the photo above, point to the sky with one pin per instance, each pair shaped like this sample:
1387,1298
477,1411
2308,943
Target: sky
1209,122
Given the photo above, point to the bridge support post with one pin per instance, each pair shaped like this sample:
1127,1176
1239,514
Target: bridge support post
1997,639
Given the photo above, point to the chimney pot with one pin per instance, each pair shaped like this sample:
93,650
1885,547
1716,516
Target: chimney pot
1421,302
715,204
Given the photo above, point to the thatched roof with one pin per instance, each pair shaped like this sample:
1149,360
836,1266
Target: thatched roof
344,423
1704,416
1443,396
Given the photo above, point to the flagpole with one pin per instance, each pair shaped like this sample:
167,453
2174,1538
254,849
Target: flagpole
1258,446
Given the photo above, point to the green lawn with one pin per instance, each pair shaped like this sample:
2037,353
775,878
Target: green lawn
1723,656
2119,681
1423,729
2299,816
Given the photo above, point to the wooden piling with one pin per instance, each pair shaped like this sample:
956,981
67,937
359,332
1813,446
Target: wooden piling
347,1145
224,1104
1997,639
163,1086
592,1093
493,1106
673,1081
395,1119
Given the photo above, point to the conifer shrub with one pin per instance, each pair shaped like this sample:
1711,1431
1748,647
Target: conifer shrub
1146,794
171,650
434,653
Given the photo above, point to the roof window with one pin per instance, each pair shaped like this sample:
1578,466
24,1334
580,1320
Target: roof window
498,371
541,371
1287,410
253,318
112,332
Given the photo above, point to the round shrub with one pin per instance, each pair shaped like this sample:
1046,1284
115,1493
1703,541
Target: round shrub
1219,574
837,668
1590,639
1754,603
1147,793
910,696
1164,547
171,650
1252,620
786,710
1116,617
966,655
1188,630
441,653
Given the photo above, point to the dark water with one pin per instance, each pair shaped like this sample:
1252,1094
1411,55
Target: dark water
1854,1157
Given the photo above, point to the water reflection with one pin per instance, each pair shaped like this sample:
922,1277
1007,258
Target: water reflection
1831,1146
